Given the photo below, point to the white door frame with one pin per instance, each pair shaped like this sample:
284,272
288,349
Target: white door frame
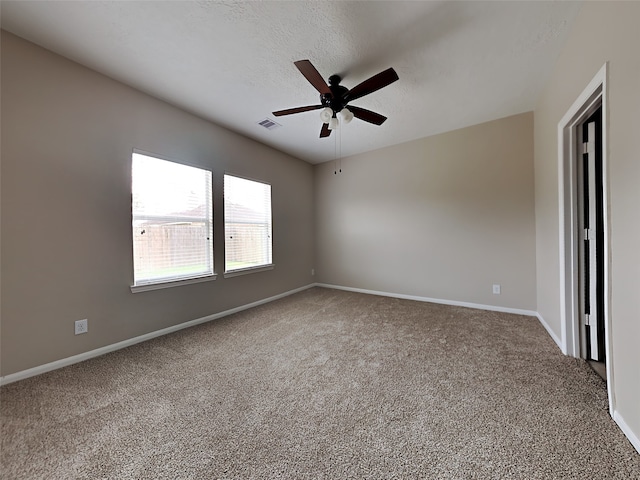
595,92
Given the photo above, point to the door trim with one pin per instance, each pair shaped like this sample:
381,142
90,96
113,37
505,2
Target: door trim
595,92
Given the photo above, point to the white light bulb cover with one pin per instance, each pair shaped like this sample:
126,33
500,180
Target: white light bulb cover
346,115
333,123
326,114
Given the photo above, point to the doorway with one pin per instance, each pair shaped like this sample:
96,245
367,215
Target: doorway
583,296
590,216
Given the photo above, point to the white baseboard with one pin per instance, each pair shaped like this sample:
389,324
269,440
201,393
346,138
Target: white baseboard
551,333
479,306
630,434
47,367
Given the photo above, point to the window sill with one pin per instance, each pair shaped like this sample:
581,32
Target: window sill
175,283
246,271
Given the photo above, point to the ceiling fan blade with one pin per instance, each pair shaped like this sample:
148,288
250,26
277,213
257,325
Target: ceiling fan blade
372,84
291,111
325,132
367,115
313,76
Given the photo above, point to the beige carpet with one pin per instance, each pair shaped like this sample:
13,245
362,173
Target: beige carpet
323,384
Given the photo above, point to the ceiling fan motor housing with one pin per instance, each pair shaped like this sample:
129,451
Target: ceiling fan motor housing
336,101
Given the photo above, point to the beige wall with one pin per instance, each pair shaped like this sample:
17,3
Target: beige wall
603,32
67,138
442,217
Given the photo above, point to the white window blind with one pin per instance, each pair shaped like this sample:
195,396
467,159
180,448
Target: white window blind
172,221
247,223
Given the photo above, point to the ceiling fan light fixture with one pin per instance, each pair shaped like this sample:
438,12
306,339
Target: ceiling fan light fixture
326,114
346,115
335,97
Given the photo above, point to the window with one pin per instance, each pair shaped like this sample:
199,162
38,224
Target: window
247,224
172,221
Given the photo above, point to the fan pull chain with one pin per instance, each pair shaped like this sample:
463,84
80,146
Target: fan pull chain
337,151
340,149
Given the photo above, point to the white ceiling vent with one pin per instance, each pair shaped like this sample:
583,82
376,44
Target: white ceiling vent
269,124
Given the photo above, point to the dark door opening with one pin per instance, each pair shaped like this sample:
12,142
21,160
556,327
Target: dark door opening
591,248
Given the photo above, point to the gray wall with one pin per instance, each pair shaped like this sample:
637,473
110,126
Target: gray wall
67,138
603,32
442,217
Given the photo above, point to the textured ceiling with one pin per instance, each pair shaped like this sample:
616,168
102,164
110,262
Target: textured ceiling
459,63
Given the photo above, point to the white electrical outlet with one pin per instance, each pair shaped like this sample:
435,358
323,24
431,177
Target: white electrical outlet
496,289
82,326
313,271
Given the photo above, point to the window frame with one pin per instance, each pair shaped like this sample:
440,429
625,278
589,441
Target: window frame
168,282
257,268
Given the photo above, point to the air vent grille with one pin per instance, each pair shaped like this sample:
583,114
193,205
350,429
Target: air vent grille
269,124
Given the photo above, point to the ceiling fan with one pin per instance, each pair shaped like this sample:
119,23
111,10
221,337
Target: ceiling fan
334,97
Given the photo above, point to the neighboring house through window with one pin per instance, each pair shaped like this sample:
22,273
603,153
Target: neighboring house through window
172,221
247,224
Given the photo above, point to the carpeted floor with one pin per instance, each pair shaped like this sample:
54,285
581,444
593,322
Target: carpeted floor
323,384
